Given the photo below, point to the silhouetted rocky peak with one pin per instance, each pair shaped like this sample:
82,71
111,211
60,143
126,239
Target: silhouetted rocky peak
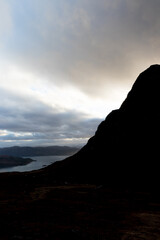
139,114
144,94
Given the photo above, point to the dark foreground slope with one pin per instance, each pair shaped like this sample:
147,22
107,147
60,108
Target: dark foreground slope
109,190
33,211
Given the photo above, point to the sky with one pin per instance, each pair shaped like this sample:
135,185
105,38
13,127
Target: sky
64,65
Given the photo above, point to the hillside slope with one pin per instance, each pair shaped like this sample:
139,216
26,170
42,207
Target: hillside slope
125,147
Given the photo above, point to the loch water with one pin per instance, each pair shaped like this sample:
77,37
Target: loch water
38,163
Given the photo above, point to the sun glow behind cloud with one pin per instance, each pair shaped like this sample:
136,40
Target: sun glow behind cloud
23,95
22,83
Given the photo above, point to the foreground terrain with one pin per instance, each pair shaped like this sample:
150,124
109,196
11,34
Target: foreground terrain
32,209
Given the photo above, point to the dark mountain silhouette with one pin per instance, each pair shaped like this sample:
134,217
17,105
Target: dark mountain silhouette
125,147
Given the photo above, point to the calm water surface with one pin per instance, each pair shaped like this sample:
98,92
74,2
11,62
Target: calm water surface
39,163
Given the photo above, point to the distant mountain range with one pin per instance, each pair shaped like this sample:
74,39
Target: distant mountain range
38,151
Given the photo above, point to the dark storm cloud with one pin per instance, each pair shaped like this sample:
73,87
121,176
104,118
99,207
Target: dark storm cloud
29,119
86,43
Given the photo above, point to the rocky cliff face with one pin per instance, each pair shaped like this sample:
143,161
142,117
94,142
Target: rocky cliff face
125,147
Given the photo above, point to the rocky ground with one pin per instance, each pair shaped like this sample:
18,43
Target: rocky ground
31,208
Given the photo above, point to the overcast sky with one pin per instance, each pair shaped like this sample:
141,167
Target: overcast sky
65,64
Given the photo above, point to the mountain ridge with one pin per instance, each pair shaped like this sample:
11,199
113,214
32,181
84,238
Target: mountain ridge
124,148
18,151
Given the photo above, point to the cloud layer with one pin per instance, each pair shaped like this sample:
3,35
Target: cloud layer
88,44
31,122
63,62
